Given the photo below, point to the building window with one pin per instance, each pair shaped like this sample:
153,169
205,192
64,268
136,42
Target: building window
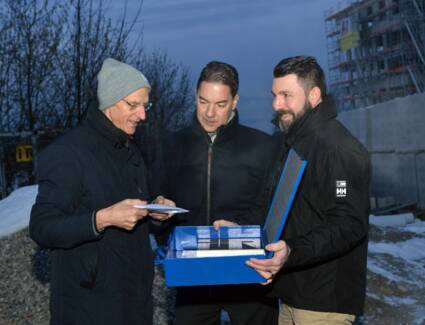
381,4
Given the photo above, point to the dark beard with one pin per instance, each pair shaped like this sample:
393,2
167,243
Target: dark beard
286,127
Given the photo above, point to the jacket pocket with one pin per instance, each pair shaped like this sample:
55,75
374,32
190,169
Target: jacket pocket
89,266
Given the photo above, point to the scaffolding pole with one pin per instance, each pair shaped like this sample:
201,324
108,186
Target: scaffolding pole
415,43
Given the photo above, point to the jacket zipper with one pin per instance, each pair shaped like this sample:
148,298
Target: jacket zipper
209,183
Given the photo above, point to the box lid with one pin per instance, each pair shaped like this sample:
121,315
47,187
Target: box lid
283,197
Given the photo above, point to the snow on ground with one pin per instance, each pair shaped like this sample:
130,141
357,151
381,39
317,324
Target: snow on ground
15,210
418,227
396,277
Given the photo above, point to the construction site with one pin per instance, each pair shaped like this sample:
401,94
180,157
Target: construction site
376,54
376,51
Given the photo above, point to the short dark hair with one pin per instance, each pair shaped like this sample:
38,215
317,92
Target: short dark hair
220,72
307,70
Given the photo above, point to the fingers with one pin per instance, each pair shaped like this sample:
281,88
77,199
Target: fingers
278,246
159,200
223,223
270,266
131,217
161,216
264,265
216,224
124,215
133,202
129,223
169,202
162,200
140,213
268,276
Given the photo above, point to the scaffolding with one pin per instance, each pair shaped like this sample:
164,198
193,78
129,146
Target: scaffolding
375,50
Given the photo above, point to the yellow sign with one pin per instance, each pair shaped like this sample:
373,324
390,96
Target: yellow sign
24,153
349,41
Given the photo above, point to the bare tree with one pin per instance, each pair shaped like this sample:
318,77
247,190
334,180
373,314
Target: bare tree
5,75
52,51
171,90
89,38
34,33
172,98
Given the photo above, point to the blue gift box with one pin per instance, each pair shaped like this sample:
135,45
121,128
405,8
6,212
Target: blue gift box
201,255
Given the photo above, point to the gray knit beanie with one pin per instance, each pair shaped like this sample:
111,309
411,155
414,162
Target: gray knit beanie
117,80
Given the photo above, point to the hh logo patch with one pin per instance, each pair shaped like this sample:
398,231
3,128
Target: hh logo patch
341,188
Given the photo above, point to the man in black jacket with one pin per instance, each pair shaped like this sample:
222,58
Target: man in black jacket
324,252
90,180
214,169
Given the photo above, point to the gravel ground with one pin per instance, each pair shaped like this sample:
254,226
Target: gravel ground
24,287
24,284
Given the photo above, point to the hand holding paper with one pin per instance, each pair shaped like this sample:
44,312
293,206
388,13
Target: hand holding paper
161,209
122,215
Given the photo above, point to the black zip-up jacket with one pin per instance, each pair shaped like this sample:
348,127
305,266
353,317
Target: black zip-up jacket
328,225
220,179
96,278
217,180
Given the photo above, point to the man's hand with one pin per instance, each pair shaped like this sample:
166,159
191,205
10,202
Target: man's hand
223,223
268,268
162,216
122,215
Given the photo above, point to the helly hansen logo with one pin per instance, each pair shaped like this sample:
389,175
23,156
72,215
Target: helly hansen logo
341,188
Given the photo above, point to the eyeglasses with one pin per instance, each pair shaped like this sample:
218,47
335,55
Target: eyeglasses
147,106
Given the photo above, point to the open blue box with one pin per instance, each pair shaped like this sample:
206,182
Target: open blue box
201,255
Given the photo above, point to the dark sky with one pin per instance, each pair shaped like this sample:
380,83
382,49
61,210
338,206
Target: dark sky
253,35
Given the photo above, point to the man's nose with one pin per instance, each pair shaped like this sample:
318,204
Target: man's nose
210,112
141,113
278,103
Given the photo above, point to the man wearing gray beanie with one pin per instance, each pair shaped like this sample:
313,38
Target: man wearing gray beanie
90,180
122,91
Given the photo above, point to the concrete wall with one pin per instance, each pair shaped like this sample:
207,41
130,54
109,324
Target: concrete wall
394,134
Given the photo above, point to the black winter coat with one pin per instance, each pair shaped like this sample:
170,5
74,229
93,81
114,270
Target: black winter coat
328,225
96,278
220,179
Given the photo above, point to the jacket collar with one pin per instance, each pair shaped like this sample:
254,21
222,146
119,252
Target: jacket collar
312,120
106,128
223,133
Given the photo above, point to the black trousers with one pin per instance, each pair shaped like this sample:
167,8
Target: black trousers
245,304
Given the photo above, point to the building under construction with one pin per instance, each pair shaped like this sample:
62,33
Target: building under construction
376,51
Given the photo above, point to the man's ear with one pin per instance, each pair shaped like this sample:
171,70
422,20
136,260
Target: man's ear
107,112
235,101
315,96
